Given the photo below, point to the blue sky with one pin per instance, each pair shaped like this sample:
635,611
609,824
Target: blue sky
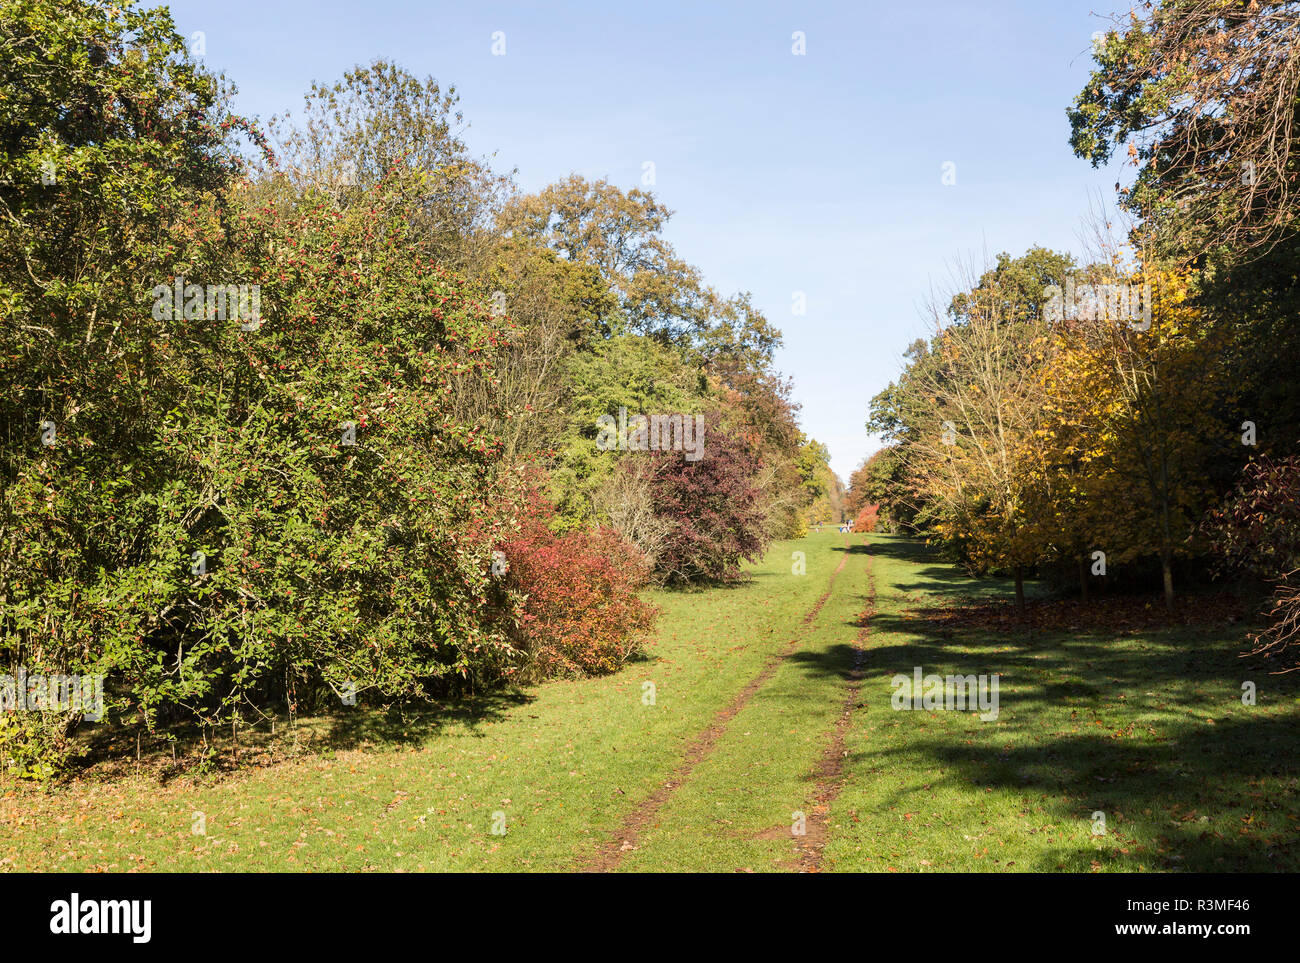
819,173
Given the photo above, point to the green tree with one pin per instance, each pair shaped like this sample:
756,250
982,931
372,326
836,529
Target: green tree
111,139
621,234
626,372
379,118
1204,93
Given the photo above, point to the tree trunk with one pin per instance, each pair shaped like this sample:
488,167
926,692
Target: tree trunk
1020,592
1166,565
1083,578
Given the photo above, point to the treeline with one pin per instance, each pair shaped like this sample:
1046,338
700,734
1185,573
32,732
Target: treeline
311,413
1133,415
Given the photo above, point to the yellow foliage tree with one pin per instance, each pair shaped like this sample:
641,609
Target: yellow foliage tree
1129,427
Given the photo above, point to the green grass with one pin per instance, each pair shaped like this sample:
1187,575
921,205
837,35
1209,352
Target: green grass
736,810
1147,727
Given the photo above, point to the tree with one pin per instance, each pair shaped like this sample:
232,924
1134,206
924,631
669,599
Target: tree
712,508
661,297
865,521
758,406
966,412
380,118
1205,92
620,233
249,486
623,374
110,139
1132,425
822,487
556,309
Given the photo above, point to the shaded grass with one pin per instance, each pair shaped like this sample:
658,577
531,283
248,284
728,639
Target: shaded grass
1147,728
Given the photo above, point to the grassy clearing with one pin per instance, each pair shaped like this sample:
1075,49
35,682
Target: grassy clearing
1145,726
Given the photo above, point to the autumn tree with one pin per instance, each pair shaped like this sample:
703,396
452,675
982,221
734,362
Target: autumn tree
1133,426
621,234
966,413
711,507
1204,93
822,487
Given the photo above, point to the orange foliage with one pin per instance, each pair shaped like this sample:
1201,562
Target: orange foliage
866,520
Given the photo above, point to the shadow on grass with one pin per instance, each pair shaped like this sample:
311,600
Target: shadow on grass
941,577
411,725
1146,726
858,548
901,547
189,749
744,580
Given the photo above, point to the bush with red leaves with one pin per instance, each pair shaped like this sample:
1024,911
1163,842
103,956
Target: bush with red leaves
576,606
712,506
1258,526
866,520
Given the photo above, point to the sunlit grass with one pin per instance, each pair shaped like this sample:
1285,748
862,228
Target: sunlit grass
1146,727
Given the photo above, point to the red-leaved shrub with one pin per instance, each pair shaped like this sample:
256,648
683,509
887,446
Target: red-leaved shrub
712,507
1257,528
866,520
576,611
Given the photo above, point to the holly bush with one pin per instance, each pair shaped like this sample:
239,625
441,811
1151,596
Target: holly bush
223,513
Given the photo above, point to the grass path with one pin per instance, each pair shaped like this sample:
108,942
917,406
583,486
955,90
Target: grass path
609,856
741,807
830,775
770,713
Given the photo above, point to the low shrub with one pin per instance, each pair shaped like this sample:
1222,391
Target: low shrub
1257,529
866,520
576,609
